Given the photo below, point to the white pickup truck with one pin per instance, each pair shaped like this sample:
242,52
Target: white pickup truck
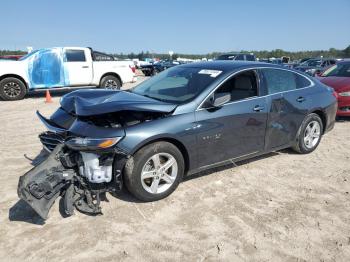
62,67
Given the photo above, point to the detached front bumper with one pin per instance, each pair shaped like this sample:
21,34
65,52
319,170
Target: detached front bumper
42,185
80,178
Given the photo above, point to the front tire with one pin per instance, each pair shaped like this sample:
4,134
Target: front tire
12,88
309,134
155,171
110,82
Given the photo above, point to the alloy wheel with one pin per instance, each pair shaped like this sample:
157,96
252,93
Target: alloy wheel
159,173
312,134
12,89
111,84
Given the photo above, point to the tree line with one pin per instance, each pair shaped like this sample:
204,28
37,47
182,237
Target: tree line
277,53
332,52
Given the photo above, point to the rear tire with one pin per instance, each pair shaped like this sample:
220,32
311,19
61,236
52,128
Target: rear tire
12,88
155,171
110,82
309,134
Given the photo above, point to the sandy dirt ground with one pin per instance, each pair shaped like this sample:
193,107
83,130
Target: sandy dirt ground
280,207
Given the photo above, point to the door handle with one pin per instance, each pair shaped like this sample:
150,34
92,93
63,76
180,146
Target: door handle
301,99
258,108
85,66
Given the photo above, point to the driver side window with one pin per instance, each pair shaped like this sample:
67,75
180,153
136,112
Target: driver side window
241,86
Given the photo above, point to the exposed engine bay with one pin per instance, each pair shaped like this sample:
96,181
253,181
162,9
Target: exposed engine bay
82,179
84,161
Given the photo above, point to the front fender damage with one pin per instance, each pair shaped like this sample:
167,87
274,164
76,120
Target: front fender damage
59,175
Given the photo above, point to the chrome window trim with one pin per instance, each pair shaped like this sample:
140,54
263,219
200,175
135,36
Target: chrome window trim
253,97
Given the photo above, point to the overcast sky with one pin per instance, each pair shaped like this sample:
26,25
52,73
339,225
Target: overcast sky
184,26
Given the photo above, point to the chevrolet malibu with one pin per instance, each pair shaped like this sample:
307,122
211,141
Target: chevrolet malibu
186,119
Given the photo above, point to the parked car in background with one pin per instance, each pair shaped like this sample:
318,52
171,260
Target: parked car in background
10,57
184,120
338,77
154,68
283,61
276,61
264,60
62,67
315,66
237,56
304,59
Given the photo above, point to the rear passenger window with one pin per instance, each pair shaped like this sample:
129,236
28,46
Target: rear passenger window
282,80
75,55
302,81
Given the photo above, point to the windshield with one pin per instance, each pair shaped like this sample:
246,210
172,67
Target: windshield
177,85
341,70
312,63
28,55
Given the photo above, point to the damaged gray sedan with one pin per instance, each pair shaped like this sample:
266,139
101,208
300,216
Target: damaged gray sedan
184,120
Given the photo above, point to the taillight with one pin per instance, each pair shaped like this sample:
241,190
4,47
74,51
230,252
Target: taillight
133,69
335,94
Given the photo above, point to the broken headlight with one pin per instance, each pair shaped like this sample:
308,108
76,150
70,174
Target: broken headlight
85,143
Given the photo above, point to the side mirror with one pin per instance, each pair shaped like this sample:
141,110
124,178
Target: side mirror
218,100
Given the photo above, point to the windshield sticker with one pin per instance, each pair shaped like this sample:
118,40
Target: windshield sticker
212,73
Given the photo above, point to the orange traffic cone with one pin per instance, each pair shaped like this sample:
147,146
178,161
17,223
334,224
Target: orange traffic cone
48,97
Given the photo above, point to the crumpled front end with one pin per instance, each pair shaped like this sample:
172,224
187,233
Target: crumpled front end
85,161
81,178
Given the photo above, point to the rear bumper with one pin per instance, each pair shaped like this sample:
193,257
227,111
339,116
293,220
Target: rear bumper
331,112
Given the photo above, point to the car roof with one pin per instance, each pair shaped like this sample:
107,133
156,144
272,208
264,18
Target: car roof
344,61
225,65
319,58
238,53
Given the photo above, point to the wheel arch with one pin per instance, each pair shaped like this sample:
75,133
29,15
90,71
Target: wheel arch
323,117
111,74
15,76
170,140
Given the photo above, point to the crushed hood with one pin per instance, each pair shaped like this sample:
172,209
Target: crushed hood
95,102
